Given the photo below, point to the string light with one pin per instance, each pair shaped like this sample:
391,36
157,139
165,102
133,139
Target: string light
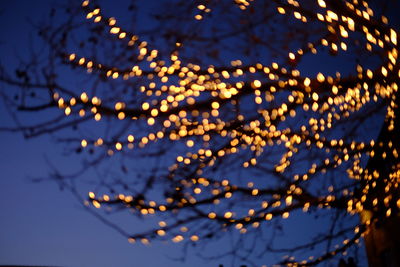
201,107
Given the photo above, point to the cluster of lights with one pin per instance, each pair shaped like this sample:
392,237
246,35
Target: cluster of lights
194,105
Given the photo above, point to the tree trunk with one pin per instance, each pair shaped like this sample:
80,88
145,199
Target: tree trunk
382,242
382,238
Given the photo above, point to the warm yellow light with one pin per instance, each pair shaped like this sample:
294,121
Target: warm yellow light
84,143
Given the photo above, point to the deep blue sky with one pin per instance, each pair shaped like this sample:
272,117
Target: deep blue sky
40,225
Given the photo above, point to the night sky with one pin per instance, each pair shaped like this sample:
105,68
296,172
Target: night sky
41,224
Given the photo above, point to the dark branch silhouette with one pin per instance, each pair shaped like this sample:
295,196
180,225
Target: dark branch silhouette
225,118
